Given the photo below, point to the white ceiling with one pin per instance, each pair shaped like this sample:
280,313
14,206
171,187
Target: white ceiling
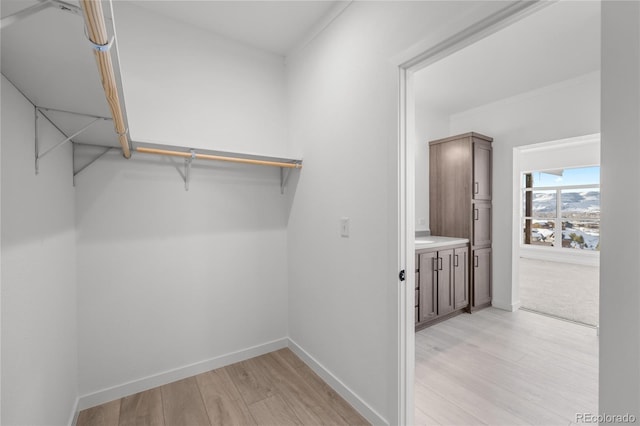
560,42
274,26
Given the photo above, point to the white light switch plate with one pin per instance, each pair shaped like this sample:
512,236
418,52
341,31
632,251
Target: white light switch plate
344,227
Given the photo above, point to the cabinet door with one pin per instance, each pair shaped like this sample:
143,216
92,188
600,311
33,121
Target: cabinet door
460,278
445,281
481,170
481,224
428,290
450,177
481,276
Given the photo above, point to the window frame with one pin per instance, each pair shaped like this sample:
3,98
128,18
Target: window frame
557,219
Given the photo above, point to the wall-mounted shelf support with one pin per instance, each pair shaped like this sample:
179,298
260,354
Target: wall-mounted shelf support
285,164
93,160
187,169
40,155
284,177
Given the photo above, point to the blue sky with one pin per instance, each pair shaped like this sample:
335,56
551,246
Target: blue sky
579,176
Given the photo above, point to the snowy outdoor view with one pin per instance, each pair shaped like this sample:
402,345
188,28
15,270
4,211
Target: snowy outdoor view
565,214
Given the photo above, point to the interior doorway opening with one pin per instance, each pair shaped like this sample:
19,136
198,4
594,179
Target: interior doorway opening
529,106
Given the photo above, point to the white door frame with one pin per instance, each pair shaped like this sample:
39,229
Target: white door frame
406,183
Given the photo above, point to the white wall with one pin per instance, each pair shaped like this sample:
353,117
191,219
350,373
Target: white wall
620,243
169,278
39,339
569,153
185,86
343,292
429,126
564,110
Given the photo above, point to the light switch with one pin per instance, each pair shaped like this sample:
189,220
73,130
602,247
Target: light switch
344,227
422,221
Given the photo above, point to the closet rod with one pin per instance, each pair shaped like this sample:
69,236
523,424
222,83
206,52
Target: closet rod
97,32
218,158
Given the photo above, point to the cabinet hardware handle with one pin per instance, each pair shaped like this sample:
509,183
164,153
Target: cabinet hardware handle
476,214
455,261
475,261
439,264
434,264
476,188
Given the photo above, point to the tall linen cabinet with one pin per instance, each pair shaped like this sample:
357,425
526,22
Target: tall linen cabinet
460,182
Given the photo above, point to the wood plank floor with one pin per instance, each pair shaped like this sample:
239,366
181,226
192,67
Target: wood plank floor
272,389
505,368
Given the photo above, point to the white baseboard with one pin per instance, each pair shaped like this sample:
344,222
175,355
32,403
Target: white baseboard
150,382
506,306
73,419
336,384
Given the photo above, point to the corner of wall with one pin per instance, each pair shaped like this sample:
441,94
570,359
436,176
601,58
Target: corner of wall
39,338
337,385
506,306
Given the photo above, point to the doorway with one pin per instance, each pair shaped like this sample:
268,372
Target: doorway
475,118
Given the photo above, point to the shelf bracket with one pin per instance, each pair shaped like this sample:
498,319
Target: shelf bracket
93,160
40,155
284,164
187,169
284,177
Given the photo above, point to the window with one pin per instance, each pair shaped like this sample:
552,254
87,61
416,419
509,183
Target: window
561,208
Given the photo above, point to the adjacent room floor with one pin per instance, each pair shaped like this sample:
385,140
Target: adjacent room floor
272,389
561,289
505,368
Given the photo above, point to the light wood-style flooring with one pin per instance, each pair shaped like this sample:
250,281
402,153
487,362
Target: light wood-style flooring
505,368
561,289
272,389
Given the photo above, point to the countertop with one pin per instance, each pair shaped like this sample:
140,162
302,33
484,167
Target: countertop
433,241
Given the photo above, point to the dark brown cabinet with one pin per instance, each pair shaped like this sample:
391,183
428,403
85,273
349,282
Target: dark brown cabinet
428,279
482,276
461,278
482,165
443,283
460,192
481,224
